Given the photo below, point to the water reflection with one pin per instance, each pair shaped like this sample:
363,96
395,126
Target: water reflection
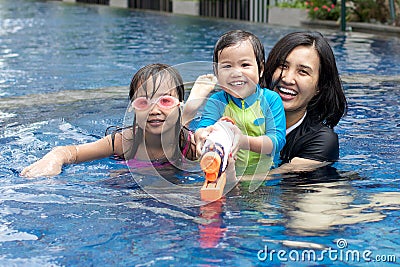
212,232
359,53
331,205
317,203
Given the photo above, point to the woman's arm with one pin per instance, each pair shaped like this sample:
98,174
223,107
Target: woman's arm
299,165
51,164
198,95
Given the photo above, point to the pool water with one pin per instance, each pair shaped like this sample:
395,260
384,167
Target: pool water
64,74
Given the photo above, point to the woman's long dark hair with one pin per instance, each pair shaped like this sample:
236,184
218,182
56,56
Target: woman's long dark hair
330,105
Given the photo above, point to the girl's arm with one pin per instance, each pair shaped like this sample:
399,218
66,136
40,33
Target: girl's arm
53,161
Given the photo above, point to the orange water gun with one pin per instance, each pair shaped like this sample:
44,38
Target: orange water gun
214,159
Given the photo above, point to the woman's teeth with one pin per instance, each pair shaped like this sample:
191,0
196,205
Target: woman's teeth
287,91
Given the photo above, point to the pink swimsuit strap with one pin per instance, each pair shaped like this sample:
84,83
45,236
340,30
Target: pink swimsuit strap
142,164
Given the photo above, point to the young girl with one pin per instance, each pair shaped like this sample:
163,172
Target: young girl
258,112
155,137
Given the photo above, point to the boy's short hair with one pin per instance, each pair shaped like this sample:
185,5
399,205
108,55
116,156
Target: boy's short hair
234,37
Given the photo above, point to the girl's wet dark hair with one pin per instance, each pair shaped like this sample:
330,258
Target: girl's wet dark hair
235,37
330,105
158,73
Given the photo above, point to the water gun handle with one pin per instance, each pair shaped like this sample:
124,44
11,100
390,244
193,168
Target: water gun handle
214,158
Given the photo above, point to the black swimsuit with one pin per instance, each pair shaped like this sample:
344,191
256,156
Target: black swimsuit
313,141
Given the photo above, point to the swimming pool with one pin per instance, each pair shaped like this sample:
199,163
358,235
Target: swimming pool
64,75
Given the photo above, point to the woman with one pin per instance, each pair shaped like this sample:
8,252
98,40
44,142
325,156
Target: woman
301,68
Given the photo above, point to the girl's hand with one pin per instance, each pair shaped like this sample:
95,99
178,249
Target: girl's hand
47,166
51,164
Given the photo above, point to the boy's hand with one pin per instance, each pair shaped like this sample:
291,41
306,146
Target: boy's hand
200,137
230,170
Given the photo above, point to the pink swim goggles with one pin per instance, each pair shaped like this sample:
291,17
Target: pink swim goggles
166,102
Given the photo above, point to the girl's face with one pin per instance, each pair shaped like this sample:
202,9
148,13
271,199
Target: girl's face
237,70
300,74
158,119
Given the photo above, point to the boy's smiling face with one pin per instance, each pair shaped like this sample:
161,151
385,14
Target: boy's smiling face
237,70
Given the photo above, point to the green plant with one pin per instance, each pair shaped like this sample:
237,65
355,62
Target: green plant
292,4
322,9
369,11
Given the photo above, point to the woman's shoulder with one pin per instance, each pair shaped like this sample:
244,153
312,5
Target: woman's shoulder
316,142
315,131
327,136
316,126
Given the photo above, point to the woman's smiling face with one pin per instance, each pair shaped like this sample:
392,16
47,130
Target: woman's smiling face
299,81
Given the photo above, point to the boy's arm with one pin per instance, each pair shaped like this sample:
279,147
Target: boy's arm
275,138
259,144
51,164
275,122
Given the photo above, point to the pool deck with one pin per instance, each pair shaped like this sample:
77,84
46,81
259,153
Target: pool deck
279,16
354,26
